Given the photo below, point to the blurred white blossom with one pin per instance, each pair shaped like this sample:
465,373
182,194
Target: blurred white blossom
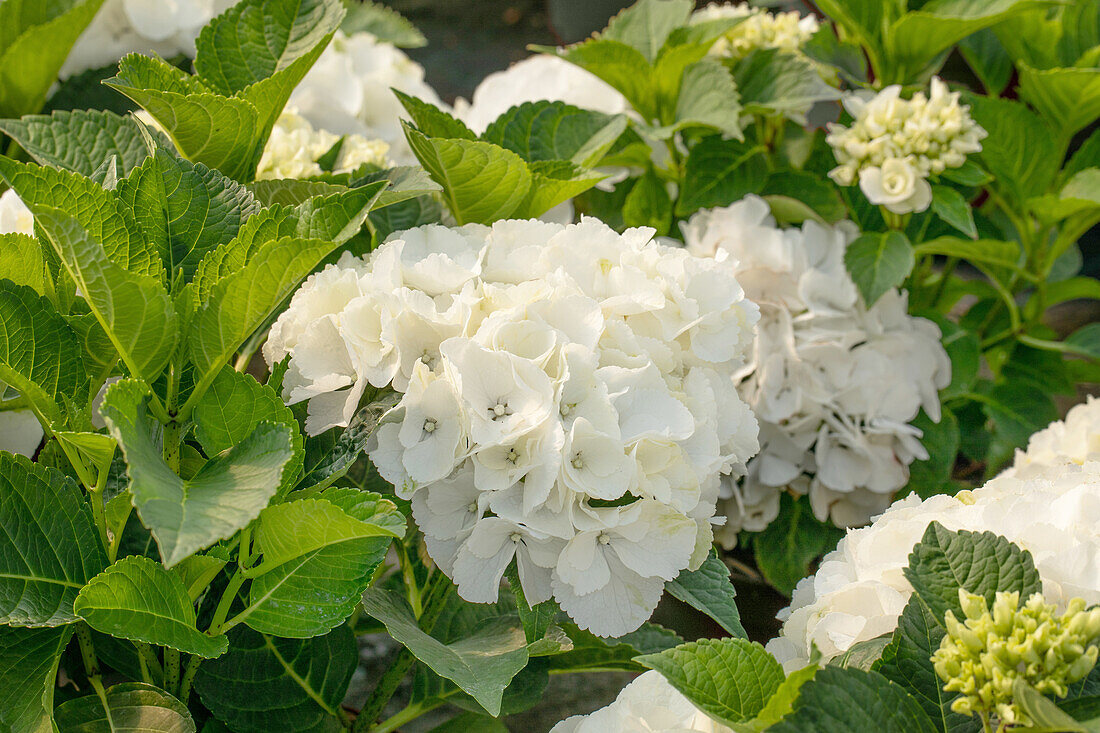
759,29
295,146
567,400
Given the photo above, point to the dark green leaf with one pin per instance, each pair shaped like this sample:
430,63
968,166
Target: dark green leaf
989,60
941,440
1019,150
28,674
132,707
950,206
719,172
1068,98
795,196
771,80
795,539
556,131
1019,410
878,262
709,590
648,205
1085,341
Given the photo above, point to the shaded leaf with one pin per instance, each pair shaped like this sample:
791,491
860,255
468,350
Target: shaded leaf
132,707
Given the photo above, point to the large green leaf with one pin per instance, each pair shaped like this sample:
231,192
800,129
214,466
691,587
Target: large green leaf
1020,151
184,209
709,590
433,121
648,204
80,140
265,683
623,67
556,131
226,494
28,674
708,98
21,262
35,38
482,664
134,310
49,547
647,24
1019,410
719,172
977,562
771,80
319,555
383,23
132,707
878,262
1068,98
729,679
984,251
137,599
840,700
591,653
785,549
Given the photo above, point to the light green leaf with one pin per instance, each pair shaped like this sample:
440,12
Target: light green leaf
338,216
1044,714
556,131
28,674
481,181
35,39
839,700
265,683
782,702
536,619
879,261
137,599
554,182
433,121
1085,341
985,251
383,23
1075,287
708,98
132,707
21,262
1019,150
1068,98
719,172
978,562
80,140
795,196
864,19
709,590
319,555
950,206
49,547
863,654
770,80
647,24
729,679
134,310
785,549
482,664
225,495
623,67
648,204
197,572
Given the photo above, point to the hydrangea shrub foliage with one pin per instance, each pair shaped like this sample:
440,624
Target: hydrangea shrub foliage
292,352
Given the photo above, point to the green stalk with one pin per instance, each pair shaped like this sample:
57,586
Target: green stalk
217,627
171,669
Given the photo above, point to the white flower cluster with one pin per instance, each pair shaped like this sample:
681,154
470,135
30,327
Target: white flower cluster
1073,440
1050,509
295,146
894,144
567,400
759,29
649,704
834,384
348,91
164,27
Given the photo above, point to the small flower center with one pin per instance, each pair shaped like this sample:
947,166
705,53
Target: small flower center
566,408
604,539
471,507
499,410
513,456
578,462
430,425
428,358
516,537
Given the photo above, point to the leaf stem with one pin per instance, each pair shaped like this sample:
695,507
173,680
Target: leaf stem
171,670
87,650
148,658
407,714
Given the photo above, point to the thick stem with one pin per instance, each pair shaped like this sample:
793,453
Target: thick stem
171,670
172,445
148,658
87,650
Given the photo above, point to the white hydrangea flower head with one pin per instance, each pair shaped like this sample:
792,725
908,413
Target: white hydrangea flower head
860,590
893,144
834,384
537,78
759,29
649,704
348,91
567,400
1073,440
166,28
295,146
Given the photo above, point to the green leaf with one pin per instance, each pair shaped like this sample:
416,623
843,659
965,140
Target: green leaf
536,620
329,463
184,209
482,664
28,674
35,39
785,549
795,196
950,206
647,24
941,440
225,494
1044,714
863,654
80,140
988,59
719,172
623,67
878,262
1085,341
554,182
840,700
592,653
242,302
1068,98
556,131
198,571
134,310
385,24
21,262
708,98
1020,150
319,555
132,707
265,683
985,251
729,679
771,80
1019,410
782,702
433,121
648,204
709,590
481,182
49,548
907,661
977,562
137,599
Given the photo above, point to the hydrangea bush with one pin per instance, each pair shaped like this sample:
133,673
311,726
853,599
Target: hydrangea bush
293,353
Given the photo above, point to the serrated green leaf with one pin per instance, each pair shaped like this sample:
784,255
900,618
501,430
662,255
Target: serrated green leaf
708,98
709,590
319,555
433,121
978,562
729,679
49,548
21,262
625,68
950,206
1068,98
556,131
132,707
80,140
482,664
647,24
134,310
1019,150
648,204
771,80
137,599
985,251
785,549
782,702
844,700
385,24
719,172
878,262
265,683
28,673
225,495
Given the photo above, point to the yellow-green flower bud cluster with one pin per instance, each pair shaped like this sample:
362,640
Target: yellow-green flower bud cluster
983,655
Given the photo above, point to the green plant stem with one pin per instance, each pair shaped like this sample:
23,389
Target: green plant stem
87,650
116,541
437,596
148,658
405,715
218,626
172,445
188,679
171,670
945,277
